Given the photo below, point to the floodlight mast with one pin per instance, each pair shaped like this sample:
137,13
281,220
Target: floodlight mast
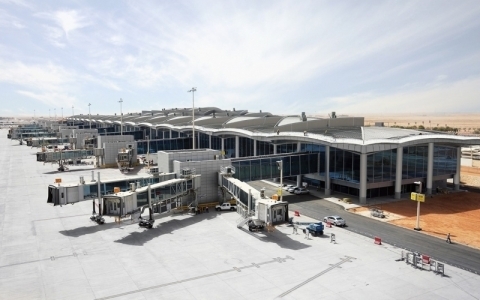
193,90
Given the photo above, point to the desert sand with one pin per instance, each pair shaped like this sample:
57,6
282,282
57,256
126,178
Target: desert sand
467,123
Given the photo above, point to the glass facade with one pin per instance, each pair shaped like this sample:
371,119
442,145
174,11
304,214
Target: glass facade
381,166
344,165
264,148
313,148
246,147
160,145
444,160
229,145
266,168
286,148
204,141
216,143
415,161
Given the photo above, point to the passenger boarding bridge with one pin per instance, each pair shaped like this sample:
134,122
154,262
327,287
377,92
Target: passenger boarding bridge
265,167
251,203
126,197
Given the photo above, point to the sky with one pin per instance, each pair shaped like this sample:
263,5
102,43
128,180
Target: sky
283,57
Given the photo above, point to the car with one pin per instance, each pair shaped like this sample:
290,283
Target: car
301,191
335,220
255,225
286,187
293,189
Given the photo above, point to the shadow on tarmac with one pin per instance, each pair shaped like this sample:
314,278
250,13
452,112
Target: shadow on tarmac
81,231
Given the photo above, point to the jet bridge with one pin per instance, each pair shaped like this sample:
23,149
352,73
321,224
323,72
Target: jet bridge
126,197
64,155
159,197
251,203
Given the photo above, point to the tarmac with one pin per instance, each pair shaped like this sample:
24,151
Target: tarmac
51,252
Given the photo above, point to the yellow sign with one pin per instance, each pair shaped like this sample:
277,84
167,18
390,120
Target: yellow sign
421,197
279,192
417,197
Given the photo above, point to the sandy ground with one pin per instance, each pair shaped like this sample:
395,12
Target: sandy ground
457,213
465,122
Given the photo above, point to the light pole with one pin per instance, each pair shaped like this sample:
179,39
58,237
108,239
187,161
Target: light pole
62,113
33,114
49,113
89,116
55,110
121,117
280,167
72,111
193,90
417,227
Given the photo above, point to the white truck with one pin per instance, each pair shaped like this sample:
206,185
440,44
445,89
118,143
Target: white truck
226,206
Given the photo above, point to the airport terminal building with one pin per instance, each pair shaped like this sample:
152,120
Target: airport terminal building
336,154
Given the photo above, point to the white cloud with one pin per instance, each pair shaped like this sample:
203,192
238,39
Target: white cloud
50,98
278,57
9,21
69,20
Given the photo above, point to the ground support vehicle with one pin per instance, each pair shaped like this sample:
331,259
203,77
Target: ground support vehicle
226,206
97,218
315,229
145,222
255,225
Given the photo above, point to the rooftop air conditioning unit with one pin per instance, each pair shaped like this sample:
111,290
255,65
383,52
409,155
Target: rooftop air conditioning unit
186,173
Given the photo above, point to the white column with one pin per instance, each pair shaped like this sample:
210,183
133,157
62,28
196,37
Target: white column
237,146
210,142
275,152
299,177
327,171
254,147
363,178
223,144
429,169
398,173
456,177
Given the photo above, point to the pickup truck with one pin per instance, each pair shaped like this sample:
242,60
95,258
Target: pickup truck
226,206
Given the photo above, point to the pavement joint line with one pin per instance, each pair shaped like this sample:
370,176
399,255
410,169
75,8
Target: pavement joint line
192,279
39,220
52,258
342,261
